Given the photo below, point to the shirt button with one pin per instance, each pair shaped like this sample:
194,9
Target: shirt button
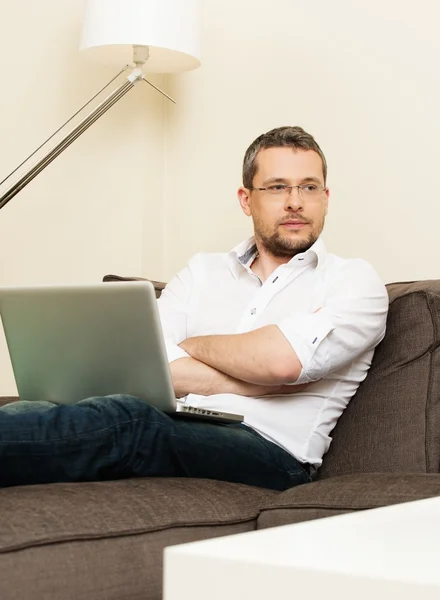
253,311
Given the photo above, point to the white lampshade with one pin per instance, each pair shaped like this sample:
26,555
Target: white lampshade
170,28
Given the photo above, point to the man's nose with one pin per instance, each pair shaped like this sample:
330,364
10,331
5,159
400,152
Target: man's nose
294,200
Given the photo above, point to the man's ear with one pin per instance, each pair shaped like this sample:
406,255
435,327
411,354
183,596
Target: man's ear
244,196
327,196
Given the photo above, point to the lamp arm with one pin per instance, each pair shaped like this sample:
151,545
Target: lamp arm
70,137
159,90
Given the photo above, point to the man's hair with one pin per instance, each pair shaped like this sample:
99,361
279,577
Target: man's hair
290,137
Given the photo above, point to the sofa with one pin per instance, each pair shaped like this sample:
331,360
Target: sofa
104,540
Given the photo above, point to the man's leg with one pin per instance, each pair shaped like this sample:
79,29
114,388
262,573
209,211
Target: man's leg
121,436
95,439
235,453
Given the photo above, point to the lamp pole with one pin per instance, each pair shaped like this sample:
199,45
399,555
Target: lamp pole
135,76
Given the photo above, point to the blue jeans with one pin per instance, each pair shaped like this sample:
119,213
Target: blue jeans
118,437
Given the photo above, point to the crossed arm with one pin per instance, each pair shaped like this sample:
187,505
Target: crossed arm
263,361
258,363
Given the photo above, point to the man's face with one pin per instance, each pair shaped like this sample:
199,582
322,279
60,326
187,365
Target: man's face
286,224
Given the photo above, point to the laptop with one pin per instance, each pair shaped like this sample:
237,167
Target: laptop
71,342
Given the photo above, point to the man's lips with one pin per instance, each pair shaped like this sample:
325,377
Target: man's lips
293,224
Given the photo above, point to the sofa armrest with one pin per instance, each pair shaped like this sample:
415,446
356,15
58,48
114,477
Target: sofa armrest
7,399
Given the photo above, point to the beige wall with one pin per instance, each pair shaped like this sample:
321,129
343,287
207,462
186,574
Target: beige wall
86,214
362,76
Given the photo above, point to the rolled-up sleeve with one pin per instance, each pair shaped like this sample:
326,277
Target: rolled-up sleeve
351,321
305,334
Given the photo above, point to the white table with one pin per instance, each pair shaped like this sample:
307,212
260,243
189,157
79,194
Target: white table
381,554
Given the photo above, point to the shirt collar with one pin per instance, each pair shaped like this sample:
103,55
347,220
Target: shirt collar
242,256
316,253
244,253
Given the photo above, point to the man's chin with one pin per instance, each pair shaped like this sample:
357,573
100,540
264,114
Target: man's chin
288,246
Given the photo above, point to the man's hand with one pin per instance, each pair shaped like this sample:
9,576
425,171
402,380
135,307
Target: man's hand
191,376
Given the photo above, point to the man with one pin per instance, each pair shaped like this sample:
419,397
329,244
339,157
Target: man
278,330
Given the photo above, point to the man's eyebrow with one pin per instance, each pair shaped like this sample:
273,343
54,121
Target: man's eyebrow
312,179
275,180
271,180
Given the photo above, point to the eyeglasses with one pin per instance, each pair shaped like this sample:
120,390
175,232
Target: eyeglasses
307,191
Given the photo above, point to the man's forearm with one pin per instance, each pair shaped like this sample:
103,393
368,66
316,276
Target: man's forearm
191,376
262,356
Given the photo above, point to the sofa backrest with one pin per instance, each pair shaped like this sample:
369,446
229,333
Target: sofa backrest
392,424
158,285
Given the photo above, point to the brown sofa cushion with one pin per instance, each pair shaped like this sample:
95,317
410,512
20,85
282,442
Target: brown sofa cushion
393,422
105,540
348,493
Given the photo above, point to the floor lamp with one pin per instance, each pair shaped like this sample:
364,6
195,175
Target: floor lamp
161,36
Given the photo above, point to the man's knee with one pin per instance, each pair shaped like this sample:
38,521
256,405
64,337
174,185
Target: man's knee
116,407
123,405
22,406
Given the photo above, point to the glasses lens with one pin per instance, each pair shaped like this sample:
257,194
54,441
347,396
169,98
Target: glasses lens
277,189
310,191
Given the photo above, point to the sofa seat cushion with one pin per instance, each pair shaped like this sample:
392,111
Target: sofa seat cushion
105,539
347,493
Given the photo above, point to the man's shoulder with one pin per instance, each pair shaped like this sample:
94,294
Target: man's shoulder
358,270
204,262
209,258
341,262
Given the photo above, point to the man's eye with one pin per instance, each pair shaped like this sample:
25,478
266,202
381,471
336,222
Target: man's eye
277,188
309,187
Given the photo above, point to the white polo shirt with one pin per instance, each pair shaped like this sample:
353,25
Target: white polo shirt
219,294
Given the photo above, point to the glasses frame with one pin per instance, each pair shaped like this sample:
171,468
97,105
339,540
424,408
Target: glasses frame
288,189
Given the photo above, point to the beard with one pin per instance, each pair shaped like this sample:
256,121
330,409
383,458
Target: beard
284,246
